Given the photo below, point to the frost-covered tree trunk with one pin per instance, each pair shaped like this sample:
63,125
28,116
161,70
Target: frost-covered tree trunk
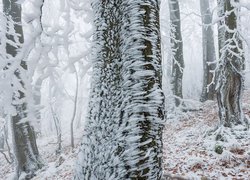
38,83
230,75
25,147
208,90
221,27
123,132
37,103
74,111
177,50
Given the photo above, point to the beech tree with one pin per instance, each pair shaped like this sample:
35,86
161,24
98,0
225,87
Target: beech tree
209,57
123,131
230,75
27,159
177,51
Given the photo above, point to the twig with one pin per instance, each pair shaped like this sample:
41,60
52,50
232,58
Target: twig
5,156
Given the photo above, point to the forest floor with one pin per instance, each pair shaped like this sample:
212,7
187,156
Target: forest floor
189,145
189,149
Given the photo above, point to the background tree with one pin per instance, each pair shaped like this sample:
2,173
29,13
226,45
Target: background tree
230,75
177,50
221,25
208,90
24,141
123,132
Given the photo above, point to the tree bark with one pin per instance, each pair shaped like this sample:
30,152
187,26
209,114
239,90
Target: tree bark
123,133
24,141
208,90
177,50
74,111
230,82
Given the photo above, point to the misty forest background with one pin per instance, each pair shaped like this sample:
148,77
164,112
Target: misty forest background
81,85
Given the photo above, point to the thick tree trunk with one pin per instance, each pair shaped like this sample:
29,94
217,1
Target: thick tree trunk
25,148
144,109
177,50
123,134
230,84
208,90
100,142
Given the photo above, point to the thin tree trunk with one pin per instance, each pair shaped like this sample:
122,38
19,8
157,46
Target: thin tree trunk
208,90
177,50
37,102
24,141
74,110
39,81
230,84
58,130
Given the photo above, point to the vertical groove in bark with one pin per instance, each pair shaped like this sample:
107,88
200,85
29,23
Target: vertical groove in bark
208,90
230,84
24,141
177,50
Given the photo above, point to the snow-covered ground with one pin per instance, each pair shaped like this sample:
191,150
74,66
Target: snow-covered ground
188,150
56,166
